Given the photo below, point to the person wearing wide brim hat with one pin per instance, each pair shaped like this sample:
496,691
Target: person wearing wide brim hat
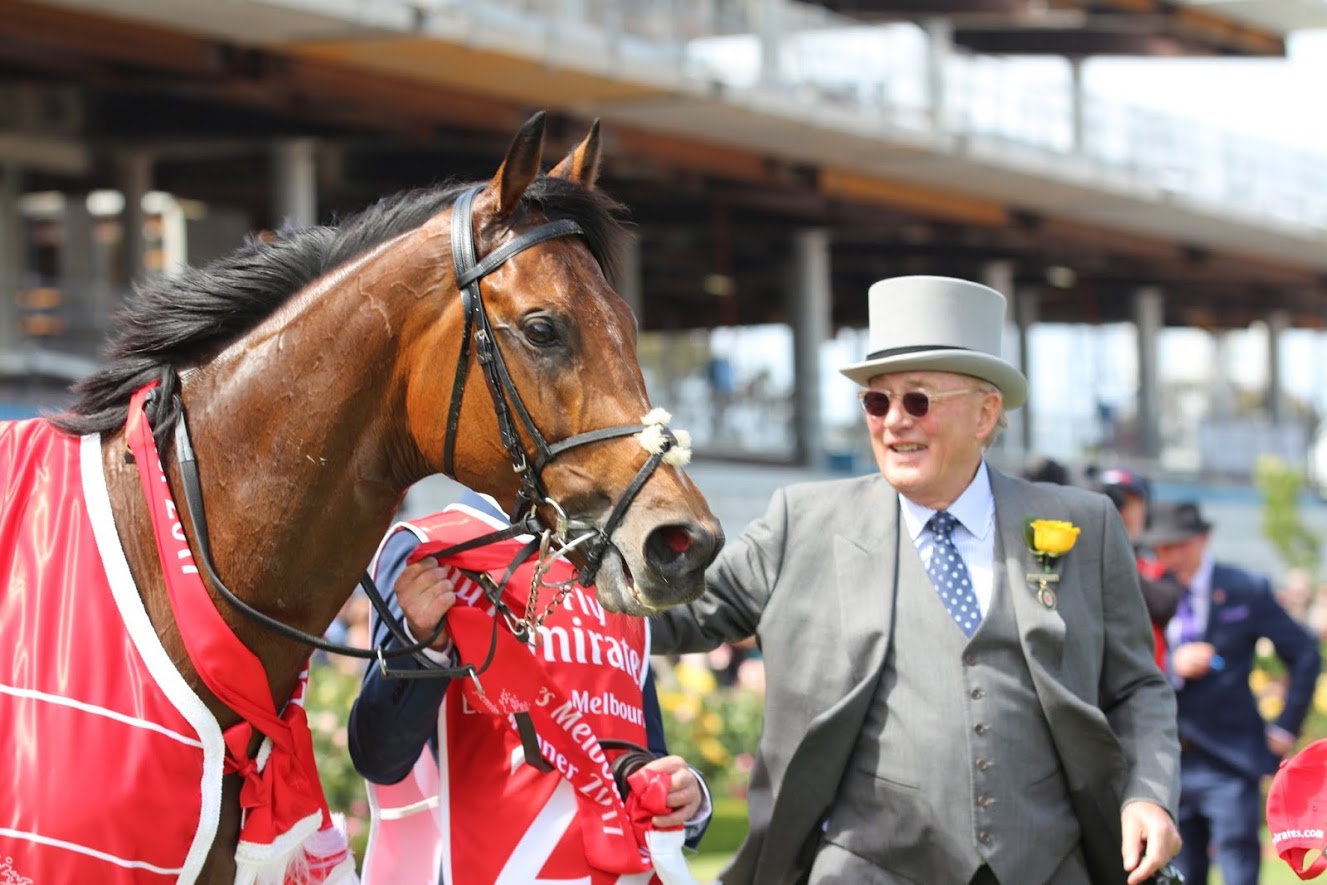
927,656
1173,522
1228,748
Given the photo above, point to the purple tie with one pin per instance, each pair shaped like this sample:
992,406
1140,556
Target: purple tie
1188,620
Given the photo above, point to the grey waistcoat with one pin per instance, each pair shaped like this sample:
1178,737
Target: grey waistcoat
955,766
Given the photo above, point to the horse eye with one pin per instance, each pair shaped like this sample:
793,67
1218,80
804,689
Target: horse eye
541,332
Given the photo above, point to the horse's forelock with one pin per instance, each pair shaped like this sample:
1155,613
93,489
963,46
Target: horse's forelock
600,216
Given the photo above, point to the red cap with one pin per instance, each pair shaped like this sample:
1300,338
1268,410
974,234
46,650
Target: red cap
1297,809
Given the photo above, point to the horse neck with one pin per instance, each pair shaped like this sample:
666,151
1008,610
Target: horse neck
301,448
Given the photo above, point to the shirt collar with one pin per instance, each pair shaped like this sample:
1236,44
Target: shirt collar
974,509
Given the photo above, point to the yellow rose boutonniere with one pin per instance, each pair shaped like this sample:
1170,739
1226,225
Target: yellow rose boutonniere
1051,539
1048,540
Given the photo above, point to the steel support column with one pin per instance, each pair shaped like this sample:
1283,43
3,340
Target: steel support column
134,180
1077,107
294,171
770,23
999,275
1277,323
630,279
11,256
939,48
1149,313
810,303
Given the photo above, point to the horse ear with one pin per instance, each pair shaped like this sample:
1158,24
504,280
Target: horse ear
582,164
518,168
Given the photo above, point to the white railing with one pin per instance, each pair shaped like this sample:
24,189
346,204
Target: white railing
881,73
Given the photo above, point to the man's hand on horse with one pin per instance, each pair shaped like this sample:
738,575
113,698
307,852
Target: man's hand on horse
684,794
426,594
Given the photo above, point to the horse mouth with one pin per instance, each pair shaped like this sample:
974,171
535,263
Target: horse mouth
629,580
646,608
617,588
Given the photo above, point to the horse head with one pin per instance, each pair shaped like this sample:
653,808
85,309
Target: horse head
562,398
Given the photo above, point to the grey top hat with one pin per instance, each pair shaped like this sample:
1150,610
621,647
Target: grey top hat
939,324
1173,521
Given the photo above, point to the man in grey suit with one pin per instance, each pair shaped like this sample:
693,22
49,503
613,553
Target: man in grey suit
959,667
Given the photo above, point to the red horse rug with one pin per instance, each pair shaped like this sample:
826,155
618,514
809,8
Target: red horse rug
110,764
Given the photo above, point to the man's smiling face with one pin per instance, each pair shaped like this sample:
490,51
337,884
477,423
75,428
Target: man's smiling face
932,458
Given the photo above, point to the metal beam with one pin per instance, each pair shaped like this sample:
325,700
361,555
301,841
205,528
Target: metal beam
1073,42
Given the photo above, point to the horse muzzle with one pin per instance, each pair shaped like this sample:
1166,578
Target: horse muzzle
665,568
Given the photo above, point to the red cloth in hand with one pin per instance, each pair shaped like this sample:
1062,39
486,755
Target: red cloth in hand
648,799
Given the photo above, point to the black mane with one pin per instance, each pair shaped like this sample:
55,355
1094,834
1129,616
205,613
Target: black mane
170,324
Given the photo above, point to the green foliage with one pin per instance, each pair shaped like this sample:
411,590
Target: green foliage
727,827
332,690
726,831
715,728
1282,525
1315,724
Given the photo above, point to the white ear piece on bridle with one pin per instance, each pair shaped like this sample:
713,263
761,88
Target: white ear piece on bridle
652,439
680,454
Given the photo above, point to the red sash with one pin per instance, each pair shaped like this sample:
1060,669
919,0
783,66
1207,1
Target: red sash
581,682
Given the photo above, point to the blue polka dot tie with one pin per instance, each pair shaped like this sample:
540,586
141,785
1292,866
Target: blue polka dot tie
949,574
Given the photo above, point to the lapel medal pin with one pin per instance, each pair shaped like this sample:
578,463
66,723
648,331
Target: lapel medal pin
1045,595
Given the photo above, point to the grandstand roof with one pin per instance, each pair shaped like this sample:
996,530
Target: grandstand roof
1093,27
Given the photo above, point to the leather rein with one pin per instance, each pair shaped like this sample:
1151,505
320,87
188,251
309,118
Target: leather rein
548,542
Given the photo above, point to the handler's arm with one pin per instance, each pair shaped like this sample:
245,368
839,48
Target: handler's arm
392,719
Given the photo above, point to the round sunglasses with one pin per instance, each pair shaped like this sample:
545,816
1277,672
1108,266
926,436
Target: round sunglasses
916,403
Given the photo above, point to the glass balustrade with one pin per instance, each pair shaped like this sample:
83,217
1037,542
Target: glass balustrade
817,60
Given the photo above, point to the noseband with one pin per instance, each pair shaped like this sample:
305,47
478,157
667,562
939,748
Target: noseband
549,541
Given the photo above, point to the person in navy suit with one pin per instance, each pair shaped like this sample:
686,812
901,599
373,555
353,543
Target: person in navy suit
1226,745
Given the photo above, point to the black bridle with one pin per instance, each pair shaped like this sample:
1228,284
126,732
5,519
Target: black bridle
507,399
548,541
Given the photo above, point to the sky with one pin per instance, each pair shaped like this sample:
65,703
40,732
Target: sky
1281,99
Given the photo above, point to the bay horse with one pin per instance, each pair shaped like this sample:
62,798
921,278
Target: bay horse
321,375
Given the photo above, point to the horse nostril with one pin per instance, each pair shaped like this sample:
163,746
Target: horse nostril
678,550
677,538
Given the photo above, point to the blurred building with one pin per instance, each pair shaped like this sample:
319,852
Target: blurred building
777,157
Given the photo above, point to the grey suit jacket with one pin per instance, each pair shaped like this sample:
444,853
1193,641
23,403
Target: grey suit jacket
814,579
